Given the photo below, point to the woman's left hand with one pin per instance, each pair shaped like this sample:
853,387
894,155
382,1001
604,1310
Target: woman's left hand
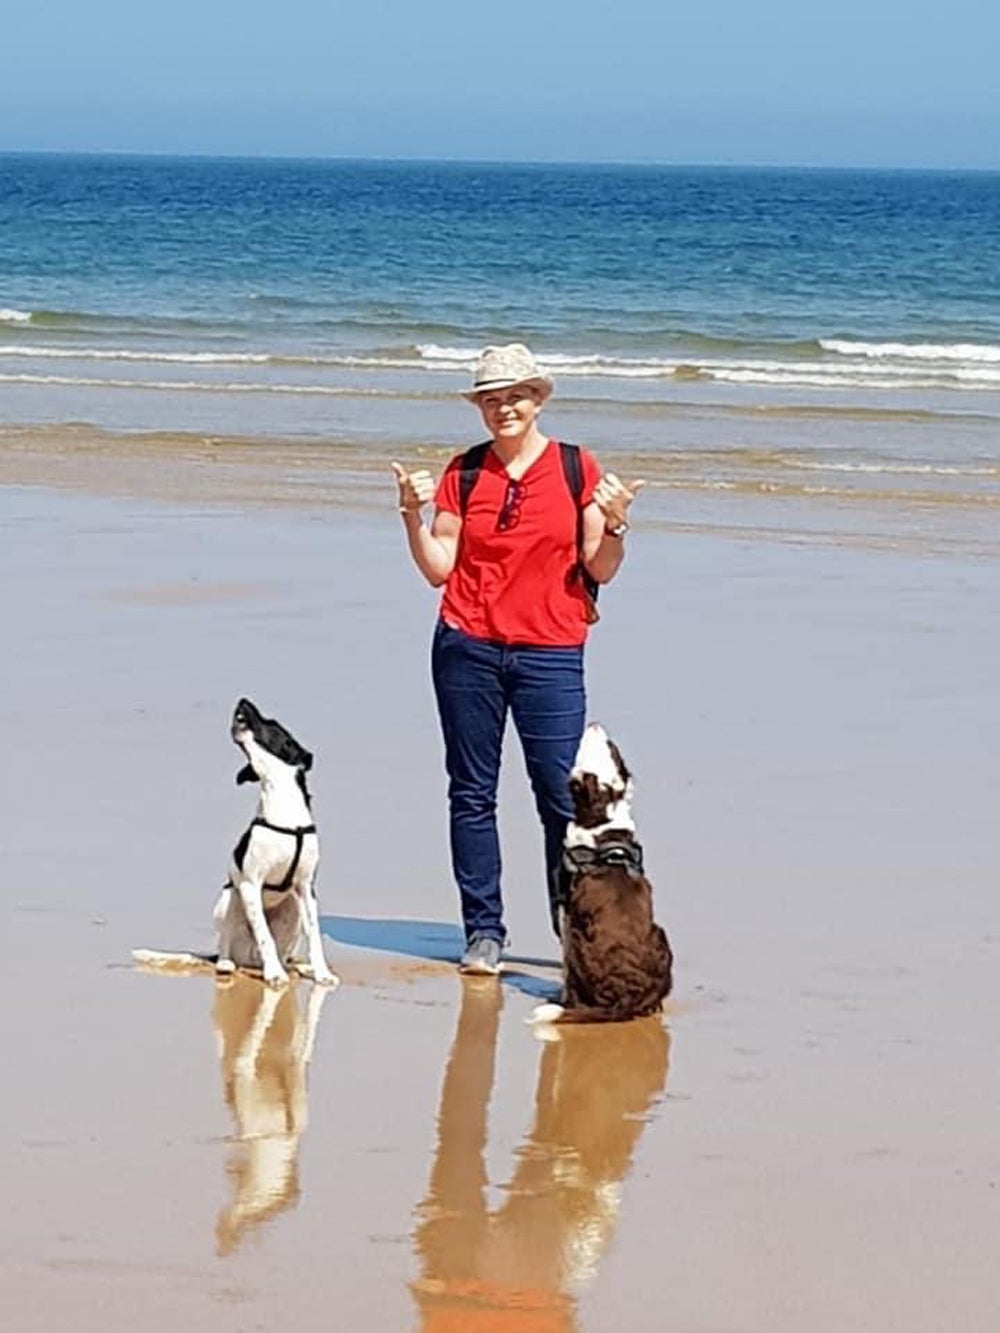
613,498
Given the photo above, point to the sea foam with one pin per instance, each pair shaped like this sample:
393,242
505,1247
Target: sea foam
899,351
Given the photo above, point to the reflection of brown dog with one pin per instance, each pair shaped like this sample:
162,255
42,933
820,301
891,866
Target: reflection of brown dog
265,1044
518,1268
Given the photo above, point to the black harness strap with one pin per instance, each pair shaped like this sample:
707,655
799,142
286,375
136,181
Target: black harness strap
626,853
297,833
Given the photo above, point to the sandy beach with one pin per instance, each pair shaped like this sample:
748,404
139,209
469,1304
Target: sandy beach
808,699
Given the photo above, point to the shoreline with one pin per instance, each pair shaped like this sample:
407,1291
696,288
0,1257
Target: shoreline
722,492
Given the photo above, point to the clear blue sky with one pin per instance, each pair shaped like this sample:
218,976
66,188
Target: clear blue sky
848,82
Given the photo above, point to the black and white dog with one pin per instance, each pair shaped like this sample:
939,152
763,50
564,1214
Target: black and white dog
270,899
617,961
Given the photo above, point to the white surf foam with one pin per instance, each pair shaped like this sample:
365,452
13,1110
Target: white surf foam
565,363
899,351
123,354
845,365
187,386
864,365
875,375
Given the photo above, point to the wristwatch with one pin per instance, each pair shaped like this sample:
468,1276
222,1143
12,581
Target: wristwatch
619,530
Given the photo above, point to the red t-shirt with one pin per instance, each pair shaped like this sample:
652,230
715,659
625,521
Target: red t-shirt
515,584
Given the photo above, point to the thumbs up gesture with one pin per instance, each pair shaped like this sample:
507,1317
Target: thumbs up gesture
415,488
613,498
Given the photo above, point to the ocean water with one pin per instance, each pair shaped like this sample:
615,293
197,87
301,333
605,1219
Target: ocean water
831,332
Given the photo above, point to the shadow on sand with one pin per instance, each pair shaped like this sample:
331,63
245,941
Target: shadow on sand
439,942
433,940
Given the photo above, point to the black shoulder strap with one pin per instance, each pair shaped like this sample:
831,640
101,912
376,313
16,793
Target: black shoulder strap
472,462
573,472
572,469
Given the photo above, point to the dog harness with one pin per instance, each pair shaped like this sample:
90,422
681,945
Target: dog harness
299,833
578,860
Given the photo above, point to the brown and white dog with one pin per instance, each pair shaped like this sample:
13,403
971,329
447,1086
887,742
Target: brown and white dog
270,899
616,960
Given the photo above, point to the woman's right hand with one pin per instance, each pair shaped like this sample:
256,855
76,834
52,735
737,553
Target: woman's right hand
415,488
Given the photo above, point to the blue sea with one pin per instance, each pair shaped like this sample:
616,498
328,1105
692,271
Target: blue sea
837,332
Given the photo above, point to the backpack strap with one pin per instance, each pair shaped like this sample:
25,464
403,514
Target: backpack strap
472,463
573,472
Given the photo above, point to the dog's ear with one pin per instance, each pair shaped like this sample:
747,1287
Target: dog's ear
580,795
306,761
246,774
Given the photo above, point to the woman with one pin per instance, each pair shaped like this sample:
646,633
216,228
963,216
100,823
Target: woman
507,542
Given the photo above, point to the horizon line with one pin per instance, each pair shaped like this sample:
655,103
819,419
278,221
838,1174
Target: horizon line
413,160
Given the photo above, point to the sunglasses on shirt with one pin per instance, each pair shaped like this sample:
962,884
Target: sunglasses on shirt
510,511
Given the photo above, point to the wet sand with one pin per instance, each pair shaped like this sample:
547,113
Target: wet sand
809,1139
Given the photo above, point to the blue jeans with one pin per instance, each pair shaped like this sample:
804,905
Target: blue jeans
476,682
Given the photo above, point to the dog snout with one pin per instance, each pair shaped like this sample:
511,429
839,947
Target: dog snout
242,716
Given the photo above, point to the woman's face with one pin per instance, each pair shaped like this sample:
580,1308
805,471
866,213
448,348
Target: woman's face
509,414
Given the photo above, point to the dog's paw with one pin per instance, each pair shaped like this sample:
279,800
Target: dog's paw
224,967
324,977
275,976
546,1013
547,1032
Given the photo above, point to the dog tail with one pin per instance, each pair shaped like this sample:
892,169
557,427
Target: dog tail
557,1013
161,961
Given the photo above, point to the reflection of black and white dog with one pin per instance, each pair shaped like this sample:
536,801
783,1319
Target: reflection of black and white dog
616,960
266,1041
269,900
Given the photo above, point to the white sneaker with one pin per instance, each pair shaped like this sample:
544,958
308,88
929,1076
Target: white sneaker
482,957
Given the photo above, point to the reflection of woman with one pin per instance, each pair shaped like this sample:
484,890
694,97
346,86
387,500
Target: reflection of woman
522,527
518,1268
265,1045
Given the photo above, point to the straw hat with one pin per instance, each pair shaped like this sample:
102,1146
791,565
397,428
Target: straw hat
502,367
